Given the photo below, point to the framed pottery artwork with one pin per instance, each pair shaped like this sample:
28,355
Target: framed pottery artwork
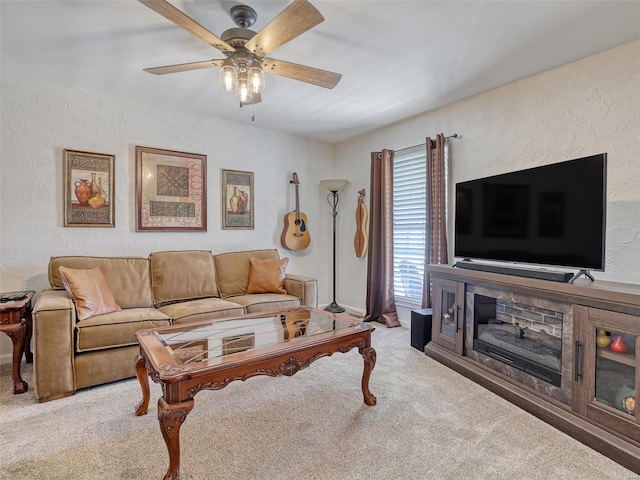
89,189
171,190
237,200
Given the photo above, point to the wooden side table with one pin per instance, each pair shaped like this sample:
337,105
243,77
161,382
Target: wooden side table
17,324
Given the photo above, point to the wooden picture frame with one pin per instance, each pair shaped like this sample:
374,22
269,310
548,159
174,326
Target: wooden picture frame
237,200
171,190
89,189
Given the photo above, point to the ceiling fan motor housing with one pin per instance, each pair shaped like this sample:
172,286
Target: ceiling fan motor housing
243,15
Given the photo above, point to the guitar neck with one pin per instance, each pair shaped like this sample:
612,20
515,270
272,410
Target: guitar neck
297,204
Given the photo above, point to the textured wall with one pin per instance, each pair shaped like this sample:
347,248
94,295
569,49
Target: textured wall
583,108
586,107
40,120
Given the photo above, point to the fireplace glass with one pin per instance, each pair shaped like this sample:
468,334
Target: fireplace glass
525,337
615,370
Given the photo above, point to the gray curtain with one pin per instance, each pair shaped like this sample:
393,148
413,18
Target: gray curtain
436,247
381,306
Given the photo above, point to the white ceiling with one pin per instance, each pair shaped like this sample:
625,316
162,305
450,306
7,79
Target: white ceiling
398,58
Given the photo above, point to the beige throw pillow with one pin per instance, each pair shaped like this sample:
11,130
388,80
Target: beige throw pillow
267,276
89,290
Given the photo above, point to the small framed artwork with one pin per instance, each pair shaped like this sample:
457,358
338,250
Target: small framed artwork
237,200
171,190
89,189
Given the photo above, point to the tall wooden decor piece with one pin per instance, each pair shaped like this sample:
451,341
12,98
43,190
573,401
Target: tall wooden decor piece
361,239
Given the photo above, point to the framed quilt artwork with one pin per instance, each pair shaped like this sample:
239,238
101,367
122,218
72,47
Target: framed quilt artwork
237,200
89,189
171,190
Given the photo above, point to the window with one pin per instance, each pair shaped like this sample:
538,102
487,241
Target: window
409,224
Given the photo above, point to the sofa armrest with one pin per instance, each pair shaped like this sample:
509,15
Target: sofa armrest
305,288
54,317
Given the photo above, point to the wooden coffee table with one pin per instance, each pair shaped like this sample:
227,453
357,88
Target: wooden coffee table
209,355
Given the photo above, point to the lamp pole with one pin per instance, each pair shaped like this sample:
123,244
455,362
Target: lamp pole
333,198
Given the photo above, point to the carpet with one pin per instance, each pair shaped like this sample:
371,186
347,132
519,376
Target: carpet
429,423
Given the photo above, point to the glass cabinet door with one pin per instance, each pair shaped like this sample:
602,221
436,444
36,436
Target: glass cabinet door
606,375
448,311
448,317
615,370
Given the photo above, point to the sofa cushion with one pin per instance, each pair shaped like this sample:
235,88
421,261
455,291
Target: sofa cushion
232,270
128,277
264,302
202,309
89,290
117,329
267,276
182,275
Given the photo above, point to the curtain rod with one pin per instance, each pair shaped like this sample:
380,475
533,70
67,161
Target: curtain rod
455,135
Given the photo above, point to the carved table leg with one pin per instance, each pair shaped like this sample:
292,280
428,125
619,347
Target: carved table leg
16,332
369,355
171,417
143,377
28,354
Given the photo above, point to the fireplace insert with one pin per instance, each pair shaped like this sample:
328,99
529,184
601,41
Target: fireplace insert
525,337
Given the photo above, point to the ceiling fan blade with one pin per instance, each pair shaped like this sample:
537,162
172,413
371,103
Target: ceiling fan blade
184,67
315,76
294,20
174,15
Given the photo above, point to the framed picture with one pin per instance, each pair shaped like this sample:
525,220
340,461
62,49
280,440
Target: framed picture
89,189
237,199
171,190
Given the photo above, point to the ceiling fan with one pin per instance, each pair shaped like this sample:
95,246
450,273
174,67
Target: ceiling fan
242,72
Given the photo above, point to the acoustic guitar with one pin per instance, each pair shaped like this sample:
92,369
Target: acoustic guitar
295,235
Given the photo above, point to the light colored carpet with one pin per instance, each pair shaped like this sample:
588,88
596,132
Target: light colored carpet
429,423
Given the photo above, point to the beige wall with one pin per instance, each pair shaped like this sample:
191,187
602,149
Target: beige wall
587,107
40,120
584,108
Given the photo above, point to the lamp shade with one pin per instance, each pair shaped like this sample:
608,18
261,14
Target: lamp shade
334,185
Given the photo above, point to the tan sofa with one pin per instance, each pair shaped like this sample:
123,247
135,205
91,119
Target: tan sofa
165,288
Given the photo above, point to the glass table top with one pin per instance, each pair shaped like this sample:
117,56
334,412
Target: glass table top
218,338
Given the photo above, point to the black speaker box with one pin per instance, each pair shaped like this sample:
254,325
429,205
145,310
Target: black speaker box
421,328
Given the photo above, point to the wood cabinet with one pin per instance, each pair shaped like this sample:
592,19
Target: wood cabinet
607,372
595,400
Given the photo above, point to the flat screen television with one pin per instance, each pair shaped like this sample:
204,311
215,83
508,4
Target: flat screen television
552,215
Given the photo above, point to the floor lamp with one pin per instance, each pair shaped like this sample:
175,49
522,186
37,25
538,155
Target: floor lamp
334,187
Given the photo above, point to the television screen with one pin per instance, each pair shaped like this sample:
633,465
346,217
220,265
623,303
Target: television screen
548,215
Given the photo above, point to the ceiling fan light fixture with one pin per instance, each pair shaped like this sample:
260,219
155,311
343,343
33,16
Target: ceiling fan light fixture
256,77
244,93
242,71
228,76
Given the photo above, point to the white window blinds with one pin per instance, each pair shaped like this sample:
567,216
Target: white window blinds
409,224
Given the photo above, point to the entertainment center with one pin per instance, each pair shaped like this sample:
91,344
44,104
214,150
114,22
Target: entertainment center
562,347
586,396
